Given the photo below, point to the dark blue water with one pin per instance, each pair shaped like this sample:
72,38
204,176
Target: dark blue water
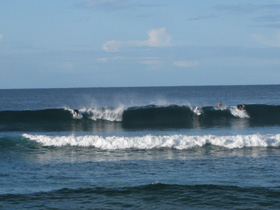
140,148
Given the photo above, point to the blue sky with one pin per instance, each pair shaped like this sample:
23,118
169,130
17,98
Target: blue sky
120,43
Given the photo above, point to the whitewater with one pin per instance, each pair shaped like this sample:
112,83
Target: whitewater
155,142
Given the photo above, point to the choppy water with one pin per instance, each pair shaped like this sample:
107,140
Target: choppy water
140,148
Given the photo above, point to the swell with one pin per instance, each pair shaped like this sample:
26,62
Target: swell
152,116
150,196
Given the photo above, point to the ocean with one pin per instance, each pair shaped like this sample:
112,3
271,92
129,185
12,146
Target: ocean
140,148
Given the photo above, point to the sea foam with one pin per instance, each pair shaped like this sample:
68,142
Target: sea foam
154,142
238,113
108,114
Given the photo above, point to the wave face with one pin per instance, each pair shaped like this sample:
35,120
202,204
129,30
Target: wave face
148,142
152,116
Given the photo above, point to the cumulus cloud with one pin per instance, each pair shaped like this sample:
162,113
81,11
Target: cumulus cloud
186,64
156,38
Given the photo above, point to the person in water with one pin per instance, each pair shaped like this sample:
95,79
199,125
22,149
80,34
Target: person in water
240,106
197,111
219,104
76,112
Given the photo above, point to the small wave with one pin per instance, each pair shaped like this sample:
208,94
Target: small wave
147,142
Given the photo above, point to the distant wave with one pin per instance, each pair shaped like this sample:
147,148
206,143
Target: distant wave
152,116
148,142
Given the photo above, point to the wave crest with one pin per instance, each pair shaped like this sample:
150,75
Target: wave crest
143,117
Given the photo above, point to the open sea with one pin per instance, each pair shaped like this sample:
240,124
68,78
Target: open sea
140,148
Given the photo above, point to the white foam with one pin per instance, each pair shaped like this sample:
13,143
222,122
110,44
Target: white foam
238,113
222,108
196,110
152,142
109,114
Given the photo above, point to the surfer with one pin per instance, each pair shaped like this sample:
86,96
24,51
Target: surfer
197,111
219,104
76,112
240,106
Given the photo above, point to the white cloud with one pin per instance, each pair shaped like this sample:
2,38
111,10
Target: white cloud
107,60
186,64
141,60
268,42
112,45
1,36
157,38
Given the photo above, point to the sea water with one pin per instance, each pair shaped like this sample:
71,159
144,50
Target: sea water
140,148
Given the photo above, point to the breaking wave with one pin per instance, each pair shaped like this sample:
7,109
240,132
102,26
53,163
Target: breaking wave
152,116
147,142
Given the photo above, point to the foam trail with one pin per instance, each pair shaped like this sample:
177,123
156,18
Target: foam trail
179,142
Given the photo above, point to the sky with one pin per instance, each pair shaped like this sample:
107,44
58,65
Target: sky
127,43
